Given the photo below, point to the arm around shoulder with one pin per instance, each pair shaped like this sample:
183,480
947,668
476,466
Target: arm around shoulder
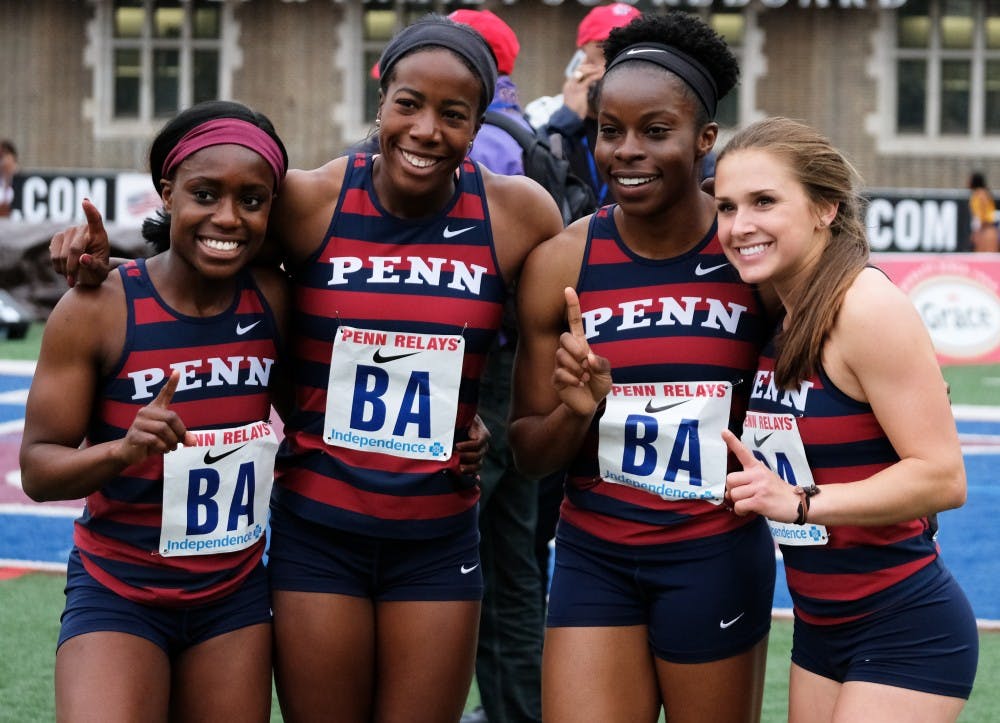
523,215
304,206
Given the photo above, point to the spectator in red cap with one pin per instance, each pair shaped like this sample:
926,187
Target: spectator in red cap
576,121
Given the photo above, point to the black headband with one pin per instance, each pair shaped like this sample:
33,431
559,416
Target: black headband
680,64
450,35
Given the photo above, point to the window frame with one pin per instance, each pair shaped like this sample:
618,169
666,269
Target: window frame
102,54
887,54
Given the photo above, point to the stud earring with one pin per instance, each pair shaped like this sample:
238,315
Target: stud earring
378,122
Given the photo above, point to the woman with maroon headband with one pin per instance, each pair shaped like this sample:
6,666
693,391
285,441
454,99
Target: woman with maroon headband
151,400
401,262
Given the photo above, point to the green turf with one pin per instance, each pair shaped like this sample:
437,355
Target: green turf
26,348
30,623
31,605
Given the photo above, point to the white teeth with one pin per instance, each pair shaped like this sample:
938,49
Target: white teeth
218,245
418,161
633,181
752,250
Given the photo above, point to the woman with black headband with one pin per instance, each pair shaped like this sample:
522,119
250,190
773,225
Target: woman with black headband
401,262
661,596
151,400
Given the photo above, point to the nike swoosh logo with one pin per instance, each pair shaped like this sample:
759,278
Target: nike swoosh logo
212,459
379,358
723,624
241,330
448,233
700,270
653,409
466,570
759,441
636,51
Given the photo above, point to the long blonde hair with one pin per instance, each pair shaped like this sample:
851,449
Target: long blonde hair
828,178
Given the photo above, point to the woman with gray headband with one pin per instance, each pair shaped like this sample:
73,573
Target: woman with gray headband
661,596
400,262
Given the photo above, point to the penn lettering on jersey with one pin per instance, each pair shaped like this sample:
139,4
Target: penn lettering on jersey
417,270
247,371
765,388
665,311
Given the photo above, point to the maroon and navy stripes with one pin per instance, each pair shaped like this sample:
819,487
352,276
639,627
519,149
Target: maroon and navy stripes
860,569
373,270
691,345
118,533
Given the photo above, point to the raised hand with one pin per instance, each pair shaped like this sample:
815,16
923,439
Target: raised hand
82,253
581,378
756,488
156,428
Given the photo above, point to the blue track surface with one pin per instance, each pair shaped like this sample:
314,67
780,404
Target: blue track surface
968,536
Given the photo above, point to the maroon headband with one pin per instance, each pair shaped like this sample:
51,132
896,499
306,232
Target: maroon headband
227,130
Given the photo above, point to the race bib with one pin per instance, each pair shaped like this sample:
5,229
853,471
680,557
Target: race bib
774,439
666,438
216,493
394,393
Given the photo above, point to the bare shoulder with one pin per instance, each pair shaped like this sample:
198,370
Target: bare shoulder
878,327
87,323
873,302
304,205
301,187
522,215
519,201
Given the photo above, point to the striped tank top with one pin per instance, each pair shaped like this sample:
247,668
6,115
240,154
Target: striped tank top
225,376
671,323
390,277
860,569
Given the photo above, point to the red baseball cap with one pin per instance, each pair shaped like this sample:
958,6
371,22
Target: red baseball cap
496,33
599,22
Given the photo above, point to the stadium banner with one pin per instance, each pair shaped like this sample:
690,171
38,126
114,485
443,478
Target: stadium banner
125,198
958,297
898,219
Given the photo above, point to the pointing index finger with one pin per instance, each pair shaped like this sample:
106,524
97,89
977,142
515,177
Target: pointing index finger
166,394
95,223
742,452
573,315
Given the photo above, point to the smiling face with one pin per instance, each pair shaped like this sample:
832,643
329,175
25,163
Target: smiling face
649,146
219,201
769,227
429,115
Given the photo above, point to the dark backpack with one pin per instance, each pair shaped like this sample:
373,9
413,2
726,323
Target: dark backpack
574,196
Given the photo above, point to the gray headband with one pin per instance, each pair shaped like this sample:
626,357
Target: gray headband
450,35
693,73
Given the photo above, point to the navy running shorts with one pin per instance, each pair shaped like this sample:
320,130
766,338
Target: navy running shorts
92,607
702,600
928,642
307,557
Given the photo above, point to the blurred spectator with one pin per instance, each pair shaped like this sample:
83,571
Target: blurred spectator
982,212
575,123
8,167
